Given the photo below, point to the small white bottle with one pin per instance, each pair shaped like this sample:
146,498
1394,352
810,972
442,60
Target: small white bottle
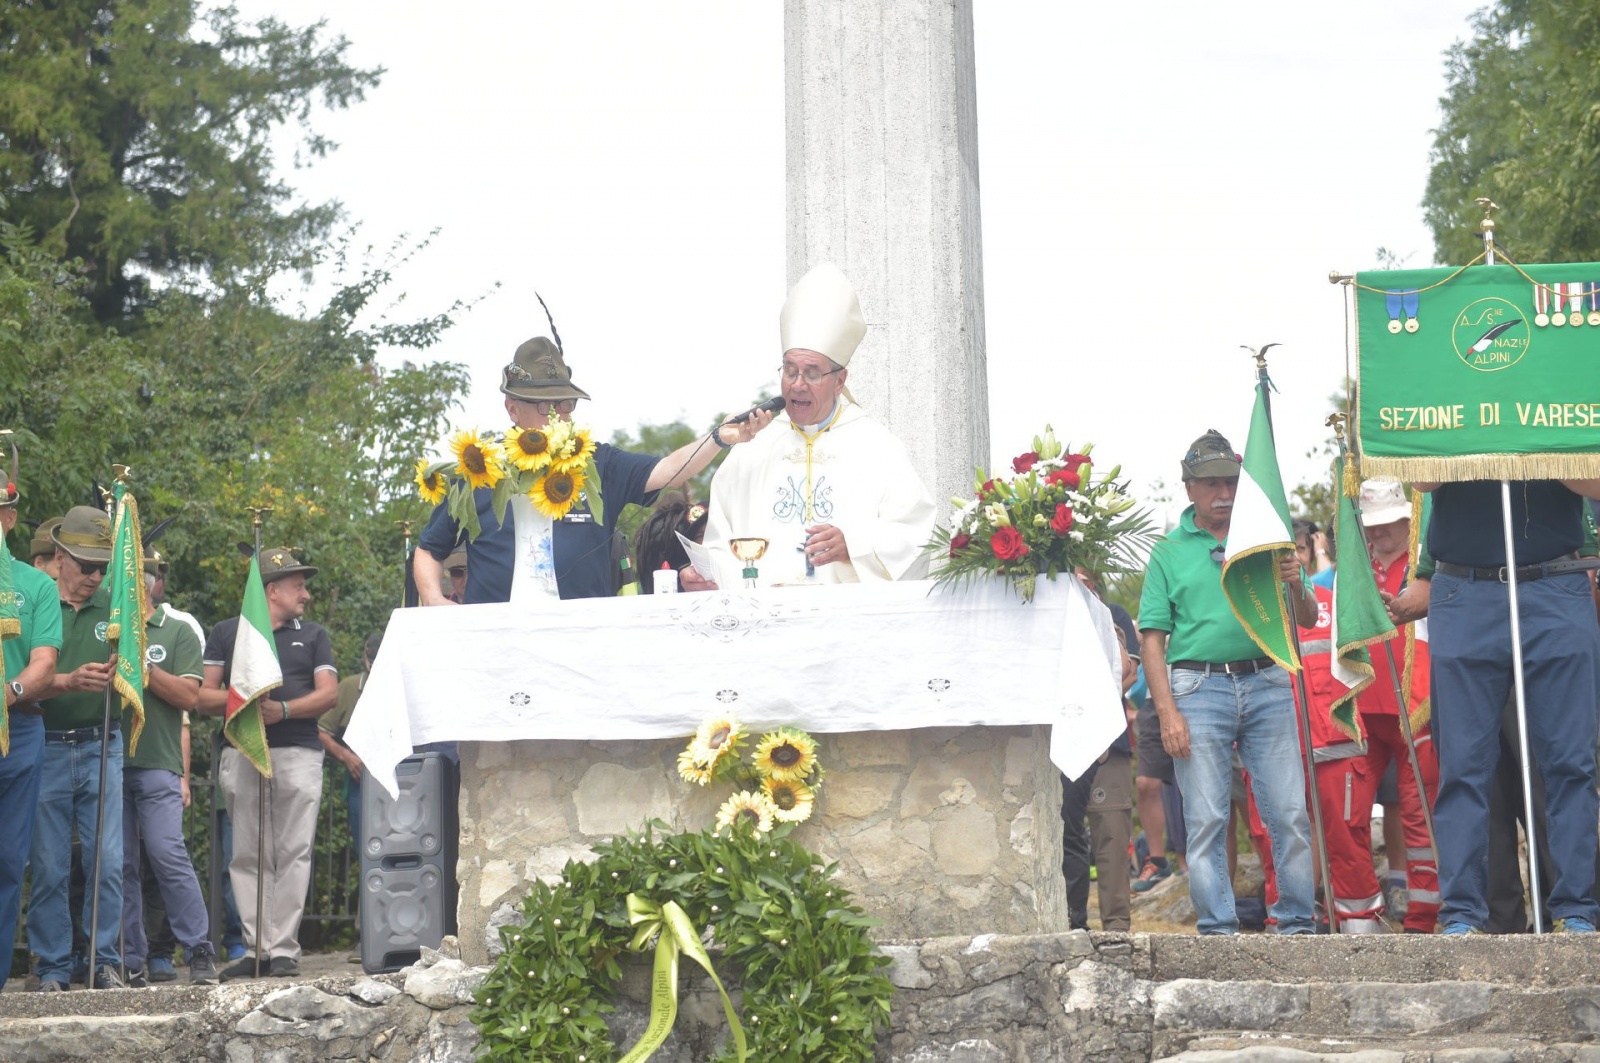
666,579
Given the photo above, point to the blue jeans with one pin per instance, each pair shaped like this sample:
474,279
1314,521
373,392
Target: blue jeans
1256,713
19,796
68,792
1470,631
152,823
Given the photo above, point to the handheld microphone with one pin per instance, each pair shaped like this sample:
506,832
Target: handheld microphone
770,406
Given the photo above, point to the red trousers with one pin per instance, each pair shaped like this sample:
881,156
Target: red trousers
1346,789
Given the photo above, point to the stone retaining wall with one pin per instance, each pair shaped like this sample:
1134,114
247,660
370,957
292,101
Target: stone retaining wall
935,831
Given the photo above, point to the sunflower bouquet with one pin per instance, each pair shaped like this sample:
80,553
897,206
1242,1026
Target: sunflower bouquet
777,784
1049,517
554,466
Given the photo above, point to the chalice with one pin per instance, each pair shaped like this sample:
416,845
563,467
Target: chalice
749,551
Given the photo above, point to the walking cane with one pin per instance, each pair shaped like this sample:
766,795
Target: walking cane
405,557
1411,754
100,805
261,789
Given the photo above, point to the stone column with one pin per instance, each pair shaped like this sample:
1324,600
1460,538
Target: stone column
883,181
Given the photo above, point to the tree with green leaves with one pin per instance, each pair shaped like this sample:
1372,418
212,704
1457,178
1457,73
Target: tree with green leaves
1520,127
135,140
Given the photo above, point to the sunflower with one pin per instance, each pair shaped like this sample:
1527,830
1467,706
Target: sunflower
718,737
785,754
477,458
556,492
791,799
431,485
691,768
577,451
528,448
746,808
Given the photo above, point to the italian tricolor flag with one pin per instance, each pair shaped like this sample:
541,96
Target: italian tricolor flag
1258,533
255,672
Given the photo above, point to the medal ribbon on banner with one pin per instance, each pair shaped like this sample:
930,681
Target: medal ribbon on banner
1575,299
677,935
1594,302
1541,305
1558,297
1392,302
1409,302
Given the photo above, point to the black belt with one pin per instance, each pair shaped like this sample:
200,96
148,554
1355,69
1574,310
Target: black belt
78,735
1558,567
1225,667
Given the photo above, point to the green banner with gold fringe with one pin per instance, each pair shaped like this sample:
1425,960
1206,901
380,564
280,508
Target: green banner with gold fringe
1479,373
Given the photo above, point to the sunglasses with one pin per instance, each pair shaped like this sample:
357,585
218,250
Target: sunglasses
91,570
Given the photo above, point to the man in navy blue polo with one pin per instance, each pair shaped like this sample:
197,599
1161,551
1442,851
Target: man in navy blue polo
528,557
1470,642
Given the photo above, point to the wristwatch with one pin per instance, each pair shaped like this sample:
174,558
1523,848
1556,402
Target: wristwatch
16,689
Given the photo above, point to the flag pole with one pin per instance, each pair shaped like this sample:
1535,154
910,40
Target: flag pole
1518,675
261,783
1303,707
1337,422
121,475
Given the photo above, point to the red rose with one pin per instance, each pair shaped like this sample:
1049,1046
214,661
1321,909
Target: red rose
1064,476
988,486
1075,460
1061,523
959,543
1007,543
1024,462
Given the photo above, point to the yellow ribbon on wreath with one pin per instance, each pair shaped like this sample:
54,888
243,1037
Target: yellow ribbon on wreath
677,934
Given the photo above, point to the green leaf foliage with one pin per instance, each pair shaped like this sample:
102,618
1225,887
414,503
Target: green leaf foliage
780,929
137,139
1521,125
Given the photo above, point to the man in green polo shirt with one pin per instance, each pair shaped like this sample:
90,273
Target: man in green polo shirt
1221,694
69,793
152,797
30,662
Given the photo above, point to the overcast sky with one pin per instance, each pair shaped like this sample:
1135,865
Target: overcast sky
1161,184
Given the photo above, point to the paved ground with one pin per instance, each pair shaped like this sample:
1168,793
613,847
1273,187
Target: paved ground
312,965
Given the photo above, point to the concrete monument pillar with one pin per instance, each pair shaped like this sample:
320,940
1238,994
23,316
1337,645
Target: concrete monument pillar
882,165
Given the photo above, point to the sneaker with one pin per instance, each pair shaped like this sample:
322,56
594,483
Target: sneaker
236,952
137,980
1574,924
243,968
285,967
1151,876
202,967
50,985
1456,930
106,978
162,970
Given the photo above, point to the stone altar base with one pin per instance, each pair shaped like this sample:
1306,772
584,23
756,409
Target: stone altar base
940,831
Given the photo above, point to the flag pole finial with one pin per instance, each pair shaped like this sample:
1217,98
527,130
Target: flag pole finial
256,513
1259,353
121,474
1335,277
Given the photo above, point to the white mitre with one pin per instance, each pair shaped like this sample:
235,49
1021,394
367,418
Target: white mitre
822,314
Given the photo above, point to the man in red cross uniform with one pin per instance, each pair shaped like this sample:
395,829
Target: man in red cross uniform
1386,518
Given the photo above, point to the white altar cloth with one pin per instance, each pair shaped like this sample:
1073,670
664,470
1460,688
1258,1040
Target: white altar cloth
845,657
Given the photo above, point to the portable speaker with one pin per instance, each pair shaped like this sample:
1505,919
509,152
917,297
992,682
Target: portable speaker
409,846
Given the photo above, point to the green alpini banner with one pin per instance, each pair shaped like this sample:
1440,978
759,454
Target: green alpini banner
1479,373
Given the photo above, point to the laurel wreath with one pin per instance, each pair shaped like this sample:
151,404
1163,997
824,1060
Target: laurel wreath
812,981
